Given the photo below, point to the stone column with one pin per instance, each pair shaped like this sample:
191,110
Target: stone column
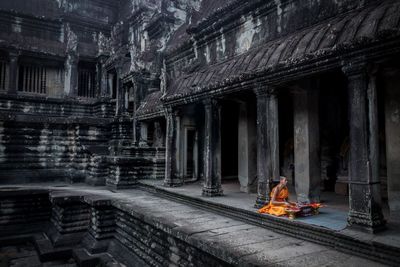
120,91
158,135
71,75
212,149
364,186
135,122
267,142
110,77
101,77
306,143
143,134
172,177
392,130
13,73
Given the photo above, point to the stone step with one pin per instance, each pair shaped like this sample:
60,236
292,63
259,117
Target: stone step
83,259
47,252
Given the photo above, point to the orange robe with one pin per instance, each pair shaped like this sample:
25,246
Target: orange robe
277,210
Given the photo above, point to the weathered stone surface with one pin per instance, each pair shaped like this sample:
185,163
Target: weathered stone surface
110,92
23,211
149,230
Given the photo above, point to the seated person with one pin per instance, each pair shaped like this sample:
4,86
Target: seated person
279,199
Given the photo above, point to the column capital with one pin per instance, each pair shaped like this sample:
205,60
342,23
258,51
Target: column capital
72,58
168,110
210,102
102,59
355,68
171,112
304,86
266,90
14,54
118,67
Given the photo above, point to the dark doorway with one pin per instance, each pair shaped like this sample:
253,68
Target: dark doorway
286,142
334,132
190,146
229,140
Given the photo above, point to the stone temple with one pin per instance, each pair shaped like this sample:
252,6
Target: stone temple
149,132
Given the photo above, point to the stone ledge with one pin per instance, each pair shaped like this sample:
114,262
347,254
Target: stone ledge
153,226
345,241
10,116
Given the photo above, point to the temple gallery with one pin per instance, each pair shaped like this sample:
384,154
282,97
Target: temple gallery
173,132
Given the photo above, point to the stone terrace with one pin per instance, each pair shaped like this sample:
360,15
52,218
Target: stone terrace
230,241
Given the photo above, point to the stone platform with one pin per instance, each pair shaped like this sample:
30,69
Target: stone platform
333,216
151,229
329,228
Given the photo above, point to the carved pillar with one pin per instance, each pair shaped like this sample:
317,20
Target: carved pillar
172,177
158,135
101,77
135,123
306,142
364,185
71,75
120,91
13,72
267,142
212,149
143,134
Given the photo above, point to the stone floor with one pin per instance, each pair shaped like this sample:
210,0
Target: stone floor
332,216
220,235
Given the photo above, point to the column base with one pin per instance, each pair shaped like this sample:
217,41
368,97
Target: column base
366,222
212,191
173,183
307,200
263,197
261,201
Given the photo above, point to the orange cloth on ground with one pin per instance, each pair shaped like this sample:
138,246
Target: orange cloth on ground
277,210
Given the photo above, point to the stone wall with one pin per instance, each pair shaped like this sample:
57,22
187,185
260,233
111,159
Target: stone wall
23,211
52,27
53,140
48,132
136,163
45,151
99,224
154,246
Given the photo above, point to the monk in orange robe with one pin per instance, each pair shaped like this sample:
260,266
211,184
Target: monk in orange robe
279,200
